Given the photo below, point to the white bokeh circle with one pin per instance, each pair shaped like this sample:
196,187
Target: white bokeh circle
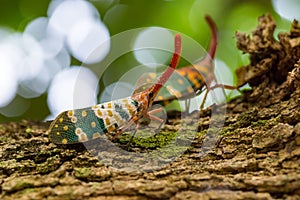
153,38
89,41
65,14
75,87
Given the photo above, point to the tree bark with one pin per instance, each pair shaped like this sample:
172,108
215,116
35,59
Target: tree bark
256,155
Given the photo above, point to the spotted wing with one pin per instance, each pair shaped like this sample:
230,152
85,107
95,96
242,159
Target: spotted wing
183,84
80,125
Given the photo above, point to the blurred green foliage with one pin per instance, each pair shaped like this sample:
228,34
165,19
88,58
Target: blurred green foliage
186,16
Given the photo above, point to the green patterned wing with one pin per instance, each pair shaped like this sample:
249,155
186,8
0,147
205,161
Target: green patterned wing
183,84
81,125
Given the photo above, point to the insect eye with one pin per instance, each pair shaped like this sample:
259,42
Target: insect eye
151,94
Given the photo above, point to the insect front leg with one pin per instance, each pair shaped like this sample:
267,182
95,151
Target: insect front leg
150,115
155,118
133,120
133,134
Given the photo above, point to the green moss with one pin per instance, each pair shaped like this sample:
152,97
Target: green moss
28,130
201,133
56,150
229,131
245,119
29,191
50,165
4,139
82,172
144,139
266,123
158,140
165,144
11,166
172,150
23,184
7,163
259,123
19,156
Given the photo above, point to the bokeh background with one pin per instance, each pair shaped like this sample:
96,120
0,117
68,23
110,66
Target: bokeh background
46,47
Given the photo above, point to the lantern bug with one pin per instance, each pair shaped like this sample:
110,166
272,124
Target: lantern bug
190,80
111,118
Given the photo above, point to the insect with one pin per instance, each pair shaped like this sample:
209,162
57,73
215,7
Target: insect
190,80
111,118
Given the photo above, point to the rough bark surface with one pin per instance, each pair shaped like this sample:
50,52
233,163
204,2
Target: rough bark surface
255,157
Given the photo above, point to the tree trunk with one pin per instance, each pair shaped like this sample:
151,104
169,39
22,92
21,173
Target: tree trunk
256,155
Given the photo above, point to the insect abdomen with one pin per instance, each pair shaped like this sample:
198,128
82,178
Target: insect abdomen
76,126
84,124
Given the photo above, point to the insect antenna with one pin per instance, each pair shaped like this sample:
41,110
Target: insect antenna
214,39
155,89
209,58
174,62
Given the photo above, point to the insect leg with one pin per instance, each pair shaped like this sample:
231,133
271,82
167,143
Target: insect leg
161,121
204,98
133,134
133,120
150,116
224,86
155,111
187,103
229,87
